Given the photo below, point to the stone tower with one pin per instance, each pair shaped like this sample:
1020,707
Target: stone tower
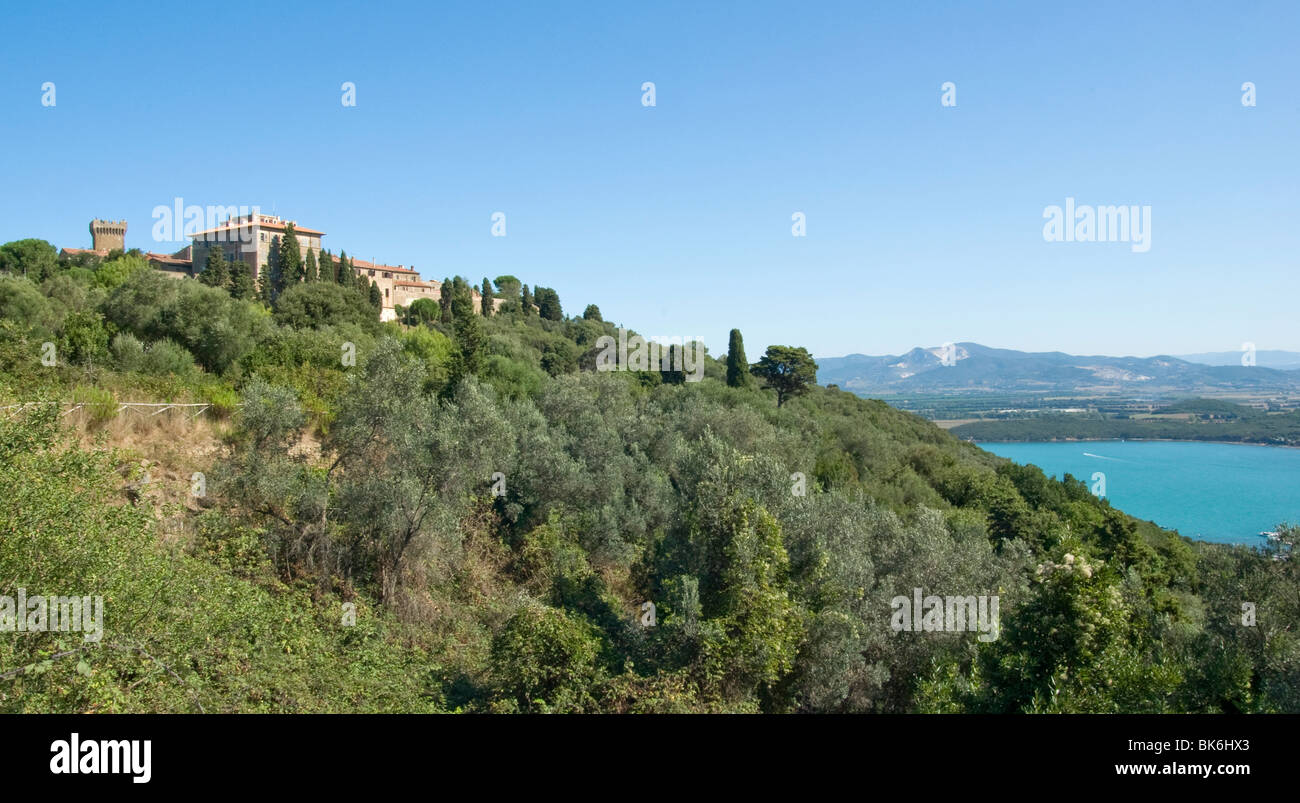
108,235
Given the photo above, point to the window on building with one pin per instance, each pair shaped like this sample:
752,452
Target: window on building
387,275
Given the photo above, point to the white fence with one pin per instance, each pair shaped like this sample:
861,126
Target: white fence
139,407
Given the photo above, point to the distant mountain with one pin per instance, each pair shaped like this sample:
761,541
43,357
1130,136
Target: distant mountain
975,368
1281,360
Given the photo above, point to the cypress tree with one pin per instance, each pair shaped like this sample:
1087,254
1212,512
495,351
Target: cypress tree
467,327
241,280
326,268
444,298
345,274
738,375
526,301
215,273
376,297
487,298
291,264
311,272
266,283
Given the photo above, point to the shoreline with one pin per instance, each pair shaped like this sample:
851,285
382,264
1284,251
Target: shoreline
1133,440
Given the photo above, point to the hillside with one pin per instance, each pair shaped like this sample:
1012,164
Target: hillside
470,518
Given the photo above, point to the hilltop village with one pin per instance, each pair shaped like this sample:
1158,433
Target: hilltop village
254,240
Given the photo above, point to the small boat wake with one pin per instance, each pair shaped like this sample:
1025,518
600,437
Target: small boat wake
1103,457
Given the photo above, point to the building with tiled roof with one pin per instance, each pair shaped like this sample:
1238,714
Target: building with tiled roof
252,239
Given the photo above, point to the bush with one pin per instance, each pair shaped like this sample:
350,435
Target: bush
100,404
167,358
21,301
127,351
224,400
116,271
545,661
84,340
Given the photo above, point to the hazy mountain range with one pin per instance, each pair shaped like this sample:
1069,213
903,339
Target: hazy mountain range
1282,360
976,368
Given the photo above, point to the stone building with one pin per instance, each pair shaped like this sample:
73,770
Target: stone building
386,276
252,239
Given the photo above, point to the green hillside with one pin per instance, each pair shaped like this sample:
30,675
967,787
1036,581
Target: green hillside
471,518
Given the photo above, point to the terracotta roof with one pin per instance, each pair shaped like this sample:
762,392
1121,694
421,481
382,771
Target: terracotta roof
102,252
430,285
167,260
361,264
244,224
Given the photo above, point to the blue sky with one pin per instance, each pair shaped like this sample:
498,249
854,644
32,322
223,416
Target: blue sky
924,223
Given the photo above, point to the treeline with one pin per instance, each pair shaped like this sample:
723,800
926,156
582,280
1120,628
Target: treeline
468,516
1220,421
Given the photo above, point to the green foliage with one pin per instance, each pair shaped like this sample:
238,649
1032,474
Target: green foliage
217,329
787,370
99,404
216,271
311,272
289,267
167,358
738,375
180,632
22,302
548,304
31,259
316,304
116,271
83,339
422,311
500,513
544,661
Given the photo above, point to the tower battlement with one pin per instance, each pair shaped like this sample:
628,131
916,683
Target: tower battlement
108,235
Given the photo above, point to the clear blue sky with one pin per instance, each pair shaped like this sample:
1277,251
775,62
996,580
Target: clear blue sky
924,223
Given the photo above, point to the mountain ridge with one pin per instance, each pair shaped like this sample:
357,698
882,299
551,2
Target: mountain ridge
973,367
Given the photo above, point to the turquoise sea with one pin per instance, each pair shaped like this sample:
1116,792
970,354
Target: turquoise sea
1211,491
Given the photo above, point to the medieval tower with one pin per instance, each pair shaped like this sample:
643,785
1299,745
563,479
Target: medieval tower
108,235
